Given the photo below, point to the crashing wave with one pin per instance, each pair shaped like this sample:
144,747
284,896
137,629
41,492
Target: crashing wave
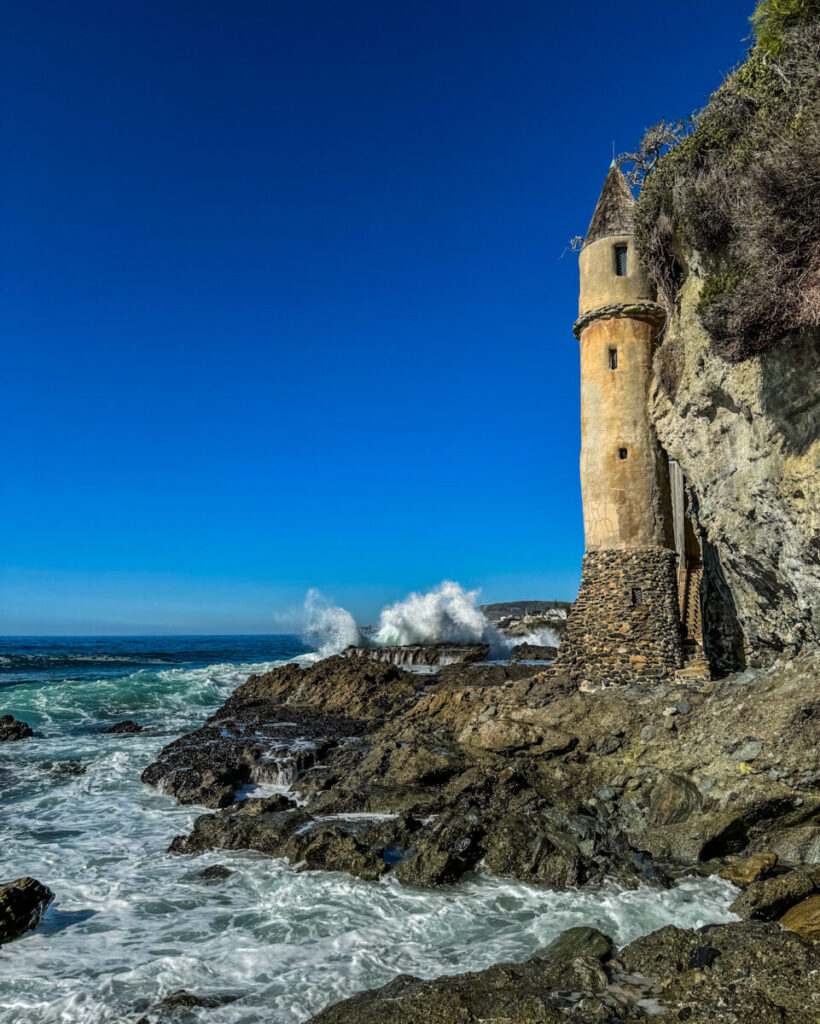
447,614
329,628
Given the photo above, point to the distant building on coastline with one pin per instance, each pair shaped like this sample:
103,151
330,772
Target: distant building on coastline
638,610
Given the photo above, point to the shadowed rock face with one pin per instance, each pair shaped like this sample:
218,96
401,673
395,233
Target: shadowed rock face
422,654
701,976
22,904
747,437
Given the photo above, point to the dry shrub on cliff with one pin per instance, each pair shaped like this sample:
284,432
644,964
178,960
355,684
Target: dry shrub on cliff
744,191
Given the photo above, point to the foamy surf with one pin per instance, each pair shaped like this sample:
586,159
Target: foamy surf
132,924
446,614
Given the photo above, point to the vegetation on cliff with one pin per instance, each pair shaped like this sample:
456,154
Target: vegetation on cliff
742,190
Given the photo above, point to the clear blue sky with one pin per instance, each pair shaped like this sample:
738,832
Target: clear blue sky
283,304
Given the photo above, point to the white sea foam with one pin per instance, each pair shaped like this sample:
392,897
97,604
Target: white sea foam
446,614
131,923
544,637
328,627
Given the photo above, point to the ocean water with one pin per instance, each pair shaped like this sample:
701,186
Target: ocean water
131,924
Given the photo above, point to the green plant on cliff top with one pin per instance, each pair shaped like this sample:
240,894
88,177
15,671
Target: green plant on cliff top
743,190
773,17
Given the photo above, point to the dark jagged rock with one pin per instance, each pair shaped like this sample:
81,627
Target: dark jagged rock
22,904
11,729
251,737
539,781
670,975
422,654
64,769
581,941
215,872
533,652
125,726
182,999
361,846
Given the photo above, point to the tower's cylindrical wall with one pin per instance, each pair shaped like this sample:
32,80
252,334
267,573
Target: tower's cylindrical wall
600,284
624,474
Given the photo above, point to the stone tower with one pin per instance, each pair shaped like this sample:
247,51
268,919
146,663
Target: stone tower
625,623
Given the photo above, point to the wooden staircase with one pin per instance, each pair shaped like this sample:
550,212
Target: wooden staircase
695,665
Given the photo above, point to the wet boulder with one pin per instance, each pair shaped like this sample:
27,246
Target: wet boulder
769,898
533,652
22,904
264,832
12,730
672,800
744,871
216,872
184,1000
126,726
364,846
574,942
205,767
804,919
528,847
332,848
446,850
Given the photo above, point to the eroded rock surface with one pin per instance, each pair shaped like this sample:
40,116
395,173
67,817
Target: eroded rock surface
702,976
747,436
422,654
427,776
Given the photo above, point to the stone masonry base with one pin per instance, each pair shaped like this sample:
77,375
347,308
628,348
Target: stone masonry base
624,626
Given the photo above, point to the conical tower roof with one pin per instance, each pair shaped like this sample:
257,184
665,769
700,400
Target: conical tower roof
613,214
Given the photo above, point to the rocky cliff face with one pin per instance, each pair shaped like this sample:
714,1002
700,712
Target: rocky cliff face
747,436
728,228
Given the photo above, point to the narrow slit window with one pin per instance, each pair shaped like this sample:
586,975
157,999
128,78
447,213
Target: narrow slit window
620,260
613,359
622,453
637,595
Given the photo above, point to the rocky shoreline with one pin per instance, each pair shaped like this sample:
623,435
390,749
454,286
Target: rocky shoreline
510,769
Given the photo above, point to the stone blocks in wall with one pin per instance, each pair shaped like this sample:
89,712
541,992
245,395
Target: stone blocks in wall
625,624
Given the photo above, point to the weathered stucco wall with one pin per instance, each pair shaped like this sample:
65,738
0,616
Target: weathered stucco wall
600,286
626,500
747,436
